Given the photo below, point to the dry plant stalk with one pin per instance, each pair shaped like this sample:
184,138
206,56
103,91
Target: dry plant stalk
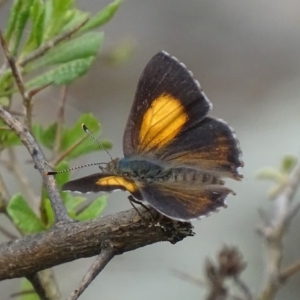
273,232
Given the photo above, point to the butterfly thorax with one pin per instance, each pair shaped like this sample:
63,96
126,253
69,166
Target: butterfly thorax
151,171
141,169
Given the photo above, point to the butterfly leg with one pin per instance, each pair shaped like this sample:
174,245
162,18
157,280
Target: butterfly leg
133,200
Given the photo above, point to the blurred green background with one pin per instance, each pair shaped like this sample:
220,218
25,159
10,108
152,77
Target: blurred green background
246,55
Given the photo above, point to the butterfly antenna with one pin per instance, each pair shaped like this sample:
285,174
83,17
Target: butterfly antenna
87,131
72,169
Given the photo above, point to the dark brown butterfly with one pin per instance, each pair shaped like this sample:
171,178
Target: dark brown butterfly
175,156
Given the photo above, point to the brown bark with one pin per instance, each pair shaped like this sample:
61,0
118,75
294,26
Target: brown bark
124,231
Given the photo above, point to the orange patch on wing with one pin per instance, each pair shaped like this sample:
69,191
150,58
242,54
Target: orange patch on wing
161,122
119,181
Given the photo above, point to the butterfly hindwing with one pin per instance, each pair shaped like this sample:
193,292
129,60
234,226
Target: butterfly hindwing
183,201
167,100
210,145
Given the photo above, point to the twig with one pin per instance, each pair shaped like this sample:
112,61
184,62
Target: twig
38,286
22,293
188,278
243,287
289,271
50,44
81,207
99,264
45,285
273,234
13,166
27,100
60,121
124,231
230,266
63,155
27,139
4,195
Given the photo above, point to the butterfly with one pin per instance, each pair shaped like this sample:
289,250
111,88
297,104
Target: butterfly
175,156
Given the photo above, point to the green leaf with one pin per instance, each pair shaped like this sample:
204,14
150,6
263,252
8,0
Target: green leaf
74,138
270,173
8,138
121,53
6,81
25,287
71,202
60,8
84,46
23,216
59,16
63,74
288,163
62,177
14,13
48,212
45,136
48,16
93,210
76,135
37,14
102,17
20,25
4,101
77,17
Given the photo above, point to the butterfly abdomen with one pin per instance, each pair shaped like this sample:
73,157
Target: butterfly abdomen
192,176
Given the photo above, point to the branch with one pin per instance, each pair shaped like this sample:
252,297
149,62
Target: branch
50,44
60,121
29,142
283,212
289,271
45,285
27,100
4,195
70,241
99,264
63,155
14,166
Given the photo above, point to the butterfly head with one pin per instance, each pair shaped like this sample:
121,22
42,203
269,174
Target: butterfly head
111,167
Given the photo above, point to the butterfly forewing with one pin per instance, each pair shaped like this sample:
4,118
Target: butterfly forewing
167,100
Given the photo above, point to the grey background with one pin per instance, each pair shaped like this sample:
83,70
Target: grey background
246,56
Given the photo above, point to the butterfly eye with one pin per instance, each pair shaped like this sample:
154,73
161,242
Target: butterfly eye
126,174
